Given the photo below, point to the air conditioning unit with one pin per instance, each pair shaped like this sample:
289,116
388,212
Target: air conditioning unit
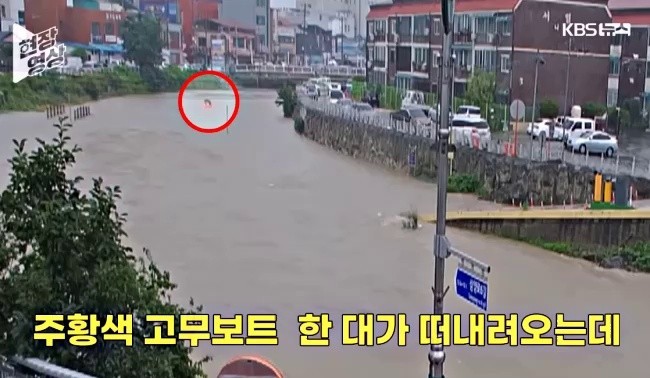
490,38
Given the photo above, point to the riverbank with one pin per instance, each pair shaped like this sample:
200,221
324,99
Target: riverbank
52,89
493,177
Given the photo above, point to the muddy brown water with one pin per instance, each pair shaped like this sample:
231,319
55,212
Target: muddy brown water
261,220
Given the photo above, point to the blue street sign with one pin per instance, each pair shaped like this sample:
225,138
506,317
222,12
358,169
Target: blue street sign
472,289
411,159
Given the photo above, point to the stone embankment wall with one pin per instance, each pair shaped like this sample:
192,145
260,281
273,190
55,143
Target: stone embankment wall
505,179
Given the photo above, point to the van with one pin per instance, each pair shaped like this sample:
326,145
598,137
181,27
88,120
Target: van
468,111
574,126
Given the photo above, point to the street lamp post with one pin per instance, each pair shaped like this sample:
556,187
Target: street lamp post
539,60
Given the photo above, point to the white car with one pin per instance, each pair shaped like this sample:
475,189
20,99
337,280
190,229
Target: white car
468,111
465,127
335,86
542,129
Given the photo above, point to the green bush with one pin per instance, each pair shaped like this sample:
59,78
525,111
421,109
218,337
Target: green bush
548,109
463,184
591,110
289,100
299,125
52,88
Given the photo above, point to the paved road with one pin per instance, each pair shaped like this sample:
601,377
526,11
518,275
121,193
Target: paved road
262,220
633,157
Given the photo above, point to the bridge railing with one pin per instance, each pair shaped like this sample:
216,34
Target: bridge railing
302,70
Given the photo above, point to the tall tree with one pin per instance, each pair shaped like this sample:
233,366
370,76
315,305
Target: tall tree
62,252
142,40
480,89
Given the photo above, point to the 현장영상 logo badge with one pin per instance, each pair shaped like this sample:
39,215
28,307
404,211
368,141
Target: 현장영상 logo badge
35,53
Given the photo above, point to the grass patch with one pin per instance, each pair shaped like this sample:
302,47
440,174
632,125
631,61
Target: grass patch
608,206
51,88
633,257
464,184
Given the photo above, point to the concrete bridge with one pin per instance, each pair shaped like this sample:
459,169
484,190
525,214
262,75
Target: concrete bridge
274,76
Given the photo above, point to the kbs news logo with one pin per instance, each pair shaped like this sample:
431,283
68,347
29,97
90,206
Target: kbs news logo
575,29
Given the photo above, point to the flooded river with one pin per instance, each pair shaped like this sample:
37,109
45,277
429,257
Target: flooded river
261,220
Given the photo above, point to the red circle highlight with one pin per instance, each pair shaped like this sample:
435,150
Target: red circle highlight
250,366
232,117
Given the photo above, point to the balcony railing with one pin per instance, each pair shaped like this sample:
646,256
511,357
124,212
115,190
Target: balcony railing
464,36
379,63
421,38
301,70
421,67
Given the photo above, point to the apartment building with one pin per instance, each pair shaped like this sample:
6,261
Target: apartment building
226,41
507,37
169,14
11,12
342,17
629,55
254,14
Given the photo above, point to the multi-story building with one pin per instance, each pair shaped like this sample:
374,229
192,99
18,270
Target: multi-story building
629,61
255,14
89,24
508,37
192,10
11,12
169,14
346,17
314,45
236,41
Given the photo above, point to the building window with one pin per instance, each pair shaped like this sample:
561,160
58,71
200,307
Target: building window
436,26
420,27
462,23
463,58
503,25
485,60
261,3
505,63
614,66
261,20
485,25
94,29
109,29
3,11
391,55
202,42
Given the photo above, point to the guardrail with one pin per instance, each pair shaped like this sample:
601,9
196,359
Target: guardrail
529,150
302,70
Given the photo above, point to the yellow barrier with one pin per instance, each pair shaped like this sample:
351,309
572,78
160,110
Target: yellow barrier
598,187
608,191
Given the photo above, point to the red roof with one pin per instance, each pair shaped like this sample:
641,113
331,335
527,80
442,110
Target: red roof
385,11
638,18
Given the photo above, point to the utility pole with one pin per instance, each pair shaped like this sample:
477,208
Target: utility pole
442,248
566,91
304,34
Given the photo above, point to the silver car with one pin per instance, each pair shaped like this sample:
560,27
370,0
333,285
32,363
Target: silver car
595,142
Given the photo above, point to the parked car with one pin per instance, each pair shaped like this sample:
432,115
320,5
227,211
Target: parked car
335,96
362,107
574,127
415,116
311,90
546,129
465,127
468,111
594,142
345,102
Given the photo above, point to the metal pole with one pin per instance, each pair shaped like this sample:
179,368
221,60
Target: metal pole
566,90
441,250
645,80
532,118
